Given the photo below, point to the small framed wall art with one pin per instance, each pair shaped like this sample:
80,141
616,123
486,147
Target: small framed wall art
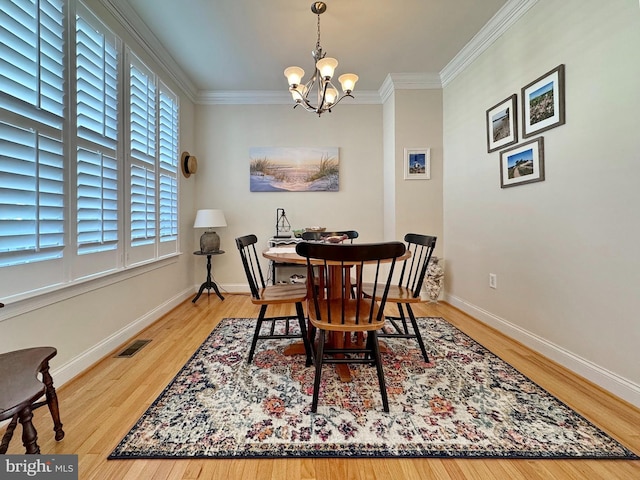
522,164
417,163
543,103
502,124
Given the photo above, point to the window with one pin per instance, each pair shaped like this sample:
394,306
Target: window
168,169
85,177
31,149
142,124
97,136
153,159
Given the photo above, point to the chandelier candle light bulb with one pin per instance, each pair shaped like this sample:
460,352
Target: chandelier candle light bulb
324,69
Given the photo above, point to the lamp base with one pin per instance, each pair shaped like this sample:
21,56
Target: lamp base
209,242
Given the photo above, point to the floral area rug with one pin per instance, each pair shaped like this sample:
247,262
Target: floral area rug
465,403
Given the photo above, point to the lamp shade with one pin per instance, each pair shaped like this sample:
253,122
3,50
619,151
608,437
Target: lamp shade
294,75
327,66
348,81
209,218
330,96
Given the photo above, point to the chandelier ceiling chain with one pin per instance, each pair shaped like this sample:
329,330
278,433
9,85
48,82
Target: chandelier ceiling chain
320,82
318,40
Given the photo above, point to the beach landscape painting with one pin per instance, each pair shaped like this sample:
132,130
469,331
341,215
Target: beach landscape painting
502,124
294,169
522,164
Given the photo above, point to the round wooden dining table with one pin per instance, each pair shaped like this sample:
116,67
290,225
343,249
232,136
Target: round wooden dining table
288,254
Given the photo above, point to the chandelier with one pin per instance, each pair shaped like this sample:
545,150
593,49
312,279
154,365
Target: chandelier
320,83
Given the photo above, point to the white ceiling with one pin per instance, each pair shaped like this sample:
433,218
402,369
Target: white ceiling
234,45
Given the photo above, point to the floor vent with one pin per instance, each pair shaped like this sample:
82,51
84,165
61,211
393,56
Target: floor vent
132,349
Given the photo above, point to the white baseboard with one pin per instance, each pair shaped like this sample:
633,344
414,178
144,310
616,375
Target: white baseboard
613,383
86,359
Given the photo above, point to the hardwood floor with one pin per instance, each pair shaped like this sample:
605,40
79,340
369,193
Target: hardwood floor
100,406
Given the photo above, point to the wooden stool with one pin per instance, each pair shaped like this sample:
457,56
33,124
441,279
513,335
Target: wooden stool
20,388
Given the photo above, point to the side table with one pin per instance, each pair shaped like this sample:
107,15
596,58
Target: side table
209,284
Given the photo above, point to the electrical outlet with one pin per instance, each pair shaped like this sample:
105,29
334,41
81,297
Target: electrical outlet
493,280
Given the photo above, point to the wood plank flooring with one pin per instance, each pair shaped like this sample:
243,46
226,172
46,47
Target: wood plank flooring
99,407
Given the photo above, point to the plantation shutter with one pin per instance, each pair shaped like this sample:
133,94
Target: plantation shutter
168,168
31,132
97,178
97,129
143,111
97,84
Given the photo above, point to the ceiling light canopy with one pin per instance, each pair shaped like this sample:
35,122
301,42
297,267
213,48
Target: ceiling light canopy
320,83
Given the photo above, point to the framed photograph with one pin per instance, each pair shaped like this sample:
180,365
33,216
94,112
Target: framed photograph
522,164
502,124
417,163
543,103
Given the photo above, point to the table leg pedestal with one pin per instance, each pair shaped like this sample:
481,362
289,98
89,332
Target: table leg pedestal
208,285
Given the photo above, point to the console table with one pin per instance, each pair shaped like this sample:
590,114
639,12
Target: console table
209,283
275,242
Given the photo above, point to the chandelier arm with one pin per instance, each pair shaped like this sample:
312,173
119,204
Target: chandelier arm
310,84
321,100
304,102
340,99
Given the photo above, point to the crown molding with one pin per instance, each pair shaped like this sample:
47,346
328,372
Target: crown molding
509,14
393,81
134,25
408,81
271,97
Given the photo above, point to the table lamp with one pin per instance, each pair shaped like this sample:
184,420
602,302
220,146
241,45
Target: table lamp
282,224
209,219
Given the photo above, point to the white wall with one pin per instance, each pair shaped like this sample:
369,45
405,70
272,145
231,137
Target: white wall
371,145
226,132
418,203
564,250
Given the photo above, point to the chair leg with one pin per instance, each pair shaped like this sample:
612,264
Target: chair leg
52,402
378,361
312,342
369,348
29,434
256,334
414,323
405,327
316,380
303,329
6,438
400,330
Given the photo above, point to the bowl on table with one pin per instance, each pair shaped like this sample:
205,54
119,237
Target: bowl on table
335,238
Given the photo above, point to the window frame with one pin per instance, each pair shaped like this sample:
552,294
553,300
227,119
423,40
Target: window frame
51,279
